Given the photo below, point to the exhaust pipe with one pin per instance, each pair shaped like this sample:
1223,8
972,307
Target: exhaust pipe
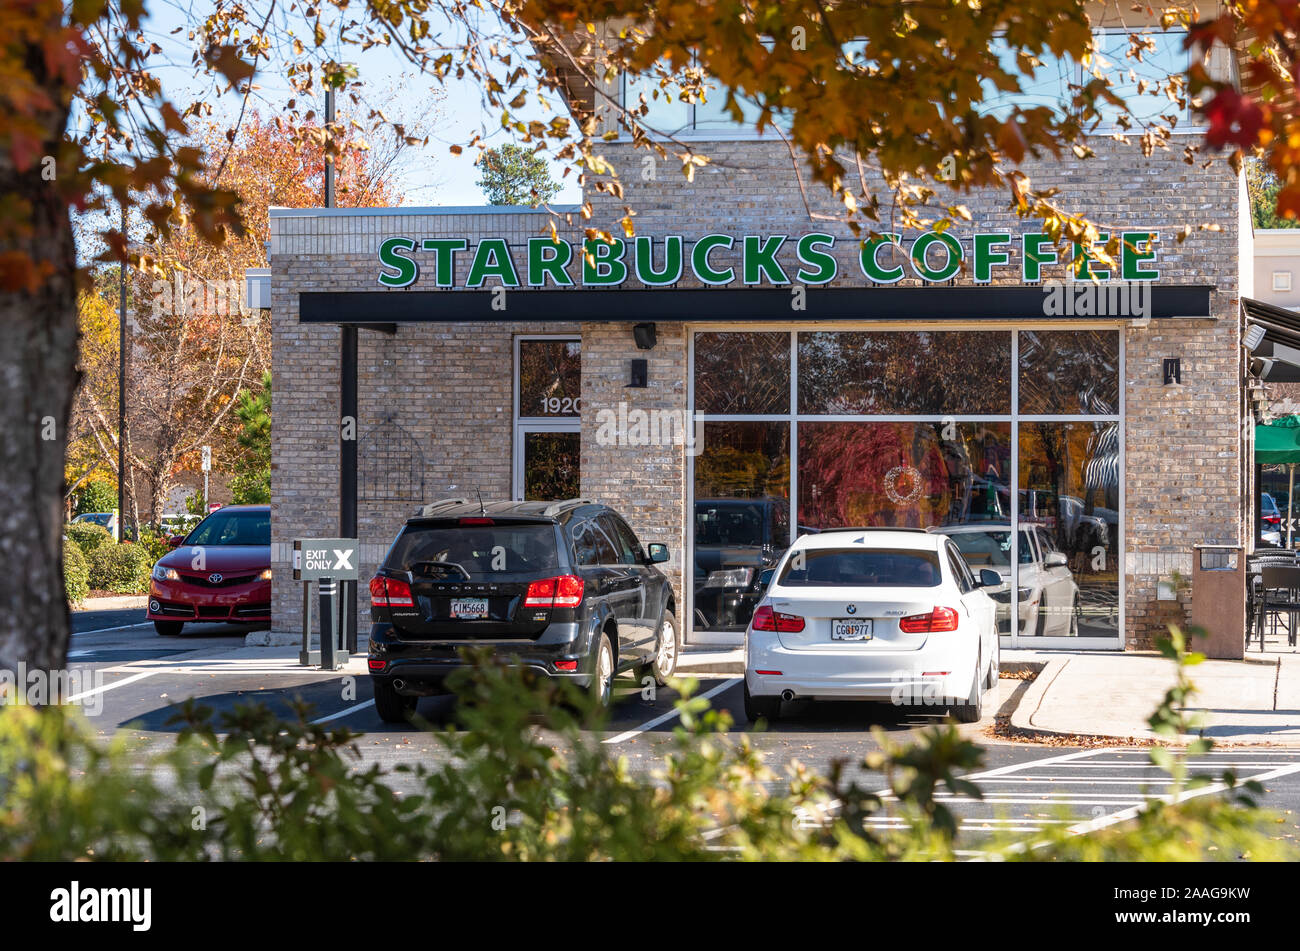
399,684
787,694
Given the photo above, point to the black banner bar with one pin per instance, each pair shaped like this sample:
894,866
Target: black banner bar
1016,302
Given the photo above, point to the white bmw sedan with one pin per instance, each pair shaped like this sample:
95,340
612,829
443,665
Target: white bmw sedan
873,614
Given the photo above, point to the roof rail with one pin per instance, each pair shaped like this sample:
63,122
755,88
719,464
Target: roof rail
873,528
430,507
555,508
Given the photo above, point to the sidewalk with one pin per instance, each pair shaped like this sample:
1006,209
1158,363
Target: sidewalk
1255,701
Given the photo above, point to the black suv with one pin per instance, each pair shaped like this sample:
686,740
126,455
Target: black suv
563,588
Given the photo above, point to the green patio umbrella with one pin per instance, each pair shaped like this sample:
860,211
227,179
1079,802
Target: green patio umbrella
1278,443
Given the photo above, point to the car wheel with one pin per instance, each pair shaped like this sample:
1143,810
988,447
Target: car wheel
665,662
168,628
761,708
973,708
1074,616
994,663
602,672
393,707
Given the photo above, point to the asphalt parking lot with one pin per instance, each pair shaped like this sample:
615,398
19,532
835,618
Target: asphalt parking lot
1026,787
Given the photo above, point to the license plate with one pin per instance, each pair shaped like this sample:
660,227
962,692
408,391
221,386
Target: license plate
468,609
851,629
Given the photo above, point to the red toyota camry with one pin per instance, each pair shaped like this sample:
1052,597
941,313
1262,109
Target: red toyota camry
220,571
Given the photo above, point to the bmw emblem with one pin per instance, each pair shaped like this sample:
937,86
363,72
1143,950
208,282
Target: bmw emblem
852,609
215,578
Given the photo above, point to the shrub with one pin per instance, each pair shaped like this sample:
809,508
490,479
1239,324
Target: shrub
76,572
88,536
96,495
154,543
121,569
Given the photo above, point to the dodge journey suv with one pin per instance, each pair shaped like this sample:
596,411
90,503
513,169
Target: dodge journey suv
563,588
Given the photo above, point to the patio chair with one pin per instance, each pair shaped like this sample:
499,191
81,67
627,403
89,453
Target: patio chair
1279,593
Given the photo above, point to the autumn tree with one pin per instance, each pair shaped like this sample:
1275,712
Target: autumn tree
881,104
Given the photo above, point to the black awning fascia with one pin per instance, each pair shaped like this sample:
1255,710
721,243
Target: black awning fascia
666,305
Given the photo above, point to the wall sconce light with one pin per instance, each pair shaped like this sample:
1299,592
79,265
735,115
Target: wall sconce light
645,336
1173,371
640,374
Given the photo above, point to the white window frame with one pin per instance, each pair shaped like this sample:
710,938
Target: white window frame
740,134
793,417
1285,285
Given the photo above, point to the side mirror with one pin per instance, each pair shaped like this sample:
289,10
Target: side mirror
175,541
658,553
1056,559
989,578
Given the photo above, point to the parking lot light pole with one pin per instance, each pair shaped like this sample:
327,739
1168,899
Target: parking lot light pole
121,388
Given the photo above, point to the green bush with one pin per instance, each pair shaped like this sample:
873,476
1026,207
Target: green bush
121,569
88,536
76,572
526,779
95,495
154,543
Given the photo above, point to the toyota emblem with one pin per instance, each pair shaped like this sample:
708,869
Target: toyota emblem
852,609
215,578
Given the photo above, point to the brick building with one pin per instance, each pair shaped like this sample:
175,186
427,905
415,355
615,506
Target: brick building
792,380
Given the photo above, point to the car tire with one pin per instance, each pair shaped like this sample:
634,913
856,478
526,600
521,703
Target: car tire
973,708
665,662
392,706
602,673
761,708
168,628
992,680
1074,616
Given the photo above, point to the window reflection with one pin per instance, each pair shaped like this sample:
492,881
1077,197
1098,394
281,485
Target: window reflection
742,373
1069,372
741,520
1069,489
922,372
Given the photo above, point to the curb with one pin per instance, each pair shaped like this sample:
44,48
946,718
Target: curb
1022,715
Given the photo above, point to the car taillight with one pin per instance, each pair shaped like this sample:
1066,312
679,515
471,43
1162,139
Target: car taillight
476,520
390,593
765,619
564,591
940,619
1273,519
377,664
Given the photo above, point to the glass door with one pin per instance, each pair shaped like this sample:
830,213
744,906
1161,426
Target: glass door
547,411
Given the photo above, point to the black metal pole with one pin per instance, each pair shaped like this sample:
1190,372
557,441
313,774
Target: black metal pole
121,389
347,427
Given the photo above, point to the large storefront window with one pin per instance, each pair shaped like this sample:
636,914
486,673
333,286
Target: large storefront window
548,391
915,429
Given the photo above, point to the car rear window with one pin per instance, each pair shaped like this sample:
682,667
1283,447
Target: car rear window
481,550
859,568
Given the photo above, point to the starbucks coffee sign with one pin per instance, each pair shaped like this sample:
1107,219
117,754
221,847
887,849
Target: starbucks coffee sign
773,260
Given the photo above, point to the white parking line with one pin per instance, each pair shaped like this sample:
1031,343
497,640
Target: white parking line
113,686
105,630
664,718
343,713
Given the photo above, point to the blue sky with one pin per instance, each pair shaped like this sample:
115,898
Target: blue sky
431,176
